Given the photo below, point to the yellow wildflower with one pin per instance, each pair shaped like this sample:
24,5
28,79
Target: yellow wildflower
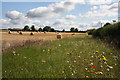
43,61
88,71
48,49
73,66
98,72
68,53
104,58
22,69
86,76
91,70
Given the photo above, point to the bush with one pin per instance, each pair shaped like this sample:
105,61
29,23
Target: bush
111,33
90,32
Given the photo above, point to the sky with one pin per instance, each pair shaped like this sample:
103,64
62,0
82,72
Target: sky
81,14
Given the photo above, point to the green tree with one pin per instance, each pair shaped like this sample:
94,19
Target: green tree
40,29
107,24
76,30
47,28
33,28
72,29
63,30
52,30
26,28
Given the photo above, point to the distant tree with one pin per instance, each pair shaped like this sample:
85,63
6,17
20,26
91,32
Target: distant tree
63,30
40,29
33,28
47,28
52,30
107,24
72,29
76,30
9,28
114,20
26,28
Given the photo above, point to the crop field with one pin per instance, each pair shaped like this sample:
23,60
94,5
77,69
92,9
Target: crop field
78,56
15,39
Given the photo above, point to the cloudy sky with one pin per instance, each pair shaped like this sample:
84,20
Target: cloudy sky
81,14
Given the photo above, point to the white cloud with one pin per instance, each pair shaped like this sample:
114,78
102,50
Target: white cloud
94,7
14,14
104,11
98,2
53,10
70,17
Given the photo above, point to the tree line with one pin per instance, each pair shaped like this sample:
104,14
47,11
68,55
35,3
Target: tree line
47,29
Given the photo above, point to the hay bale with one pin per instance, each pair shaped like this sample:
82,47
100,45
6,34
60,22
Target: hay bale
44,32
20,33
31,33
9,32
59,36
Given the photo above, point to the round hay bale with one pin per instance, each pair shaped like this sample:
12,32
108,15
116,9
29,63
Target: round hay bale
9,32
20,33
44,32
31,33
59,36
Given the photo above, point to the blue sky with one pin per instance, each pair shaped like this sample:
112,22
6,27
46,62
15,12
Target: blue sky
60,16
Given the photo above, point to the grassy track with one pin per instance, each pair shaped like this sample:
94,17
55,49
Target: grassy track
67,58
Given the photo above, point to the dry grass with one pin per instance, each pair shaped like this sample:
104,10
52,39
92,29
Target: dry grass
15,39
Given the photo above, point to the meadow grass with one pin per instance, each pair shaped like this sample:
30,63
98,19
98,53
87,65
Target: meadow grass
72,57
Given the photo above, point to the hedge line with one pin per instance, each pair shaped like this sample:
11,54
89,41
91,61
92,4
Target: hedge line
111,33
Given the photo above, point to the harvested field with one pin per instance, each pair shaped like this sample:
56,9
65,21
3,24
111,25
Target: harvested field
15,39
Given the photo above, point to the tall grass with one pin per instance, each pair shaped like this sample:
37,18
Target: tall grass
66,58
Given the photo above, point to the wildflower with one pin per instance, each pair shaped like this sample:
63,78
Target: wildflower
72,74
62,71
67,61
109,66
22,69
73,66
59,45
5,71
90,60
29,58
111,53
79,56
74,61
103,52
99,72
97,52
104,58
92,56
68,53
108,69
94,67
43,61
25,57
91,70
18,54
86,76
48,50
101,66
91,63
86,69
43,50
13,52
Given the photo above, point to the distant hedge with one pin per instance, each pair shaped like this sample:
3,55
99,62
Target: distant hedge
111,33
